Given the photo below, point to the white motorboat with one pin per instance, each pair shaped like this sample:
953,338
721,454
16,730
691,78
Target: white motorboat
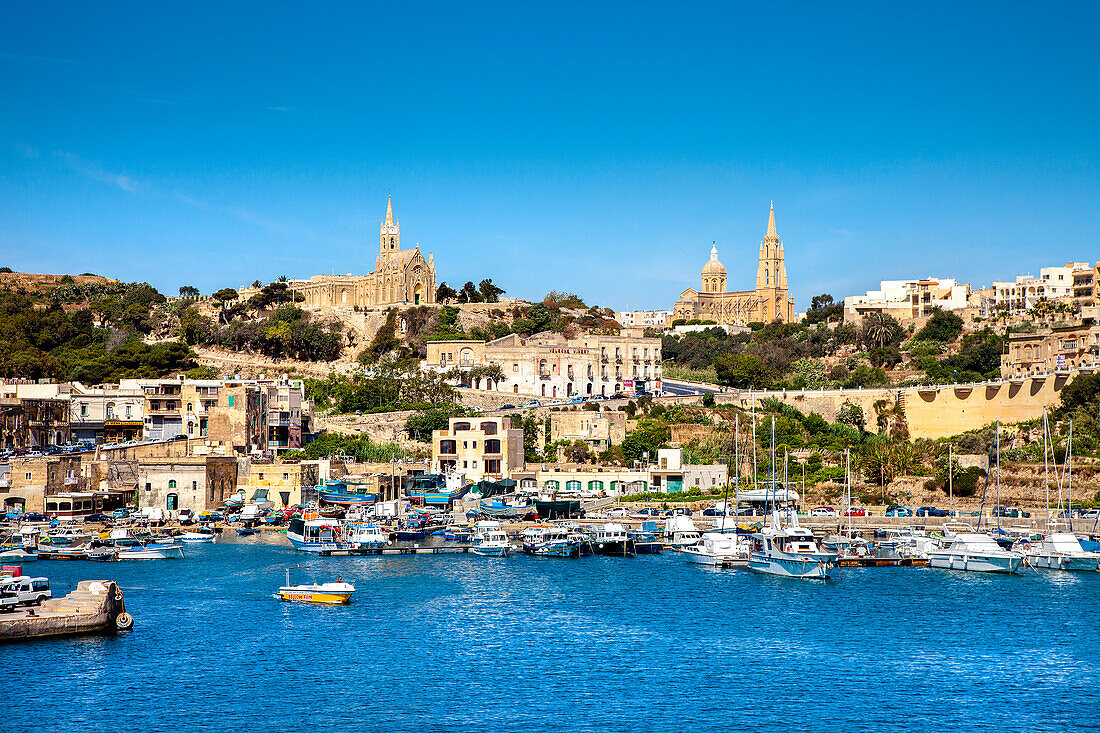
681,532
720,549
197,537
365,537
313,534
612,539
963,548
150,552
17,555
1062,551
791,552
904,543
490,540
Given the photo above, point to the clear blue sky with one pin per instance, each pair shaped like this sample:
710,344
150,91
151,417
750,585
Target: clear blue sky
590,147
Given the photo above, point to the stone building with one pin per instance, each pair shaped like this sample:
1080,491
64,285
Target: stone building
478,447
769,301
400,276
599,430
29,423
550,365
287,484
906,299
197,483
106,414
1049,350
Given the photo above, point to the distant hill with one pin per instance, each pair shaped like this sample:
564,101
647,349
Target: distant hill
40,283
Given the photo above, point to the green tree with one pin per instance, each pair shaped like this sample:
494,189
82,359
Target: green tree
943,326
189,291
648,436
741,370
444,293
489,293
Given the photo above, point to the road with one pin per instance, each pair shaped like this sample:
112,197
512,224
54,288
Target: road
669,387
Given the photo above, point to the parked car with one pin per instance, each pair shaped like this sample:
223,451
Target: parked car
532,403
28,591
97,517
898,511
856,511
33,517
185,516
931,511
619,511
1010,511
746,511
823,511
1090,514
507,407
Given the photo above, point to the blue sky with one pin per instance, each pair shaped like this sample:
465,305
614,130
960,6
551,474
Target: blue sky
597,148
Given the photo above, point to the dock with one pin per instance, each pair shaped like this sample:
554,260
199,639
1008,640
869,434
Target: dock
95,607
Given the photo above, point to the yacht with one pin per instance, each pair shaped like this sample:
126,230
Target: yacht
150,551
490,540
681,532
904,543
720,549
203,535
791,552
963,548
612,539
1062,551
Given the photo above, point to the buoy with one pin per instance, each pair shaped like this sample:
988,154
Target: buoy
124,621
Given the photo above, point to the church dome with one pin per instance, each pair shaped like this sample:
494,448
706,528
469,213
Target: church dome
713,266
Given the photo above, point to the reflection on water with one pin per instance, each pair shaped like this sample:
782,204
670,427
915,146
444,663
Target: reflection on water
459,643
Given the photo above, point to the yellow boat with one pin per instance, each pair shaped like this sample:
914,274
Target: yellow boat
330,594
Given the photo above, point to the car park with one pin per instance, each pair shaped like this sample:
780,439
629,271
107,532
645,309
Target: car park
898,511
823,511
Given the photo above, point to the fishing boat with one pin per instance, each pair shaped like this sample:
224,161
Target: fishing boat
94,550
458,534
612,539
551,542
335,593
500,508
963,548
247,531
438,489
365,537
558,508
311,533
1062,551
490,540
17,555
719,549
237,500
203,535
64,535
151,552
346,492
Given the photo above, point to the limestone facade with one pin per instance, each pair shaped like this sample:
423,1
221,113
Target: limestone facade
480,448
600,430
1052,350
400,277
550,365
769,301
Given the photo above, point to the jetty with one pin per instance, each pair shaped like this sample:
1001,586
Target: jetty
95,607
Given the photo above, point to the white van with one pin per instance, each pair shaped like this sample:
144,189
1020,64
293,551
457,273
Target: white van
29,591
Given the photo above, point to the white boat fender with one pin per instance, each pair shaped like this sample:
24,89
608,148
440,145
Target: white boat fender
124,621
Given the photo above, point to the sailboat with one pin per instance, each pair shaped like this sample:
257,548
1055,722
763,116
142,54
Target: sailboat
1060,549
789,551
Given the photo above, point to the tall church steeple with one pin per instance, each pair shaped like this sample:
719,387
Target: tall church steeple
771,272
389,233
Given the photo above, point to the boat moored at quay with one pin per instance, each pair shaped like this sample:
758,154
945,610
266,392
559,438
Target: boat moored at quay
964,548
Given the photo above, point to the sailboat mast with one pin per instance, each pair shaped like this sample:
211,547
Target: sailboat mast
950,476
1069,475
775,497
998,477
848,482
1046,471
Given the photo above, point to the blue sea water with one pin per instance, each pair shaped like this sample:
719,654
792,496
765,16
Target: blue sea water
464,643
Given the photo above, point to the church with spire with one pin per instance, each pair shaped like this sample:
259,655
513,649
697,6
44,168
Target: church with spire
400,276
769,301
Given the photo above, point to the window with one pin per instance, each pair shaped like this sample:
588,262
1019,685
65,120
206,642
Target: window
128,407
286,477
28,475
83,409
515,367
171,483
194,485
148,487
190,407
231,400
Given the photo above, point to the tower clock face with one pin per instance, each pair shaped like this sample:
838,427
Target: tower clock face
393,230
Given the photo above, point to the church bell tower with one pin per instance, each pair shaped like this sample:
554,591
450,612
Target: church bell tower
389,235
771,274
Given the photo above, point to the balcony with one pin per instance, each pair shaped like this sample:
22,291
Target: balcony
544,375
5,483
72,480
279,422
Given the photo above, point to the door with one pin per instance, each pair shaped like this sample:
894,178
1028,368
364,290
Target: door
172,503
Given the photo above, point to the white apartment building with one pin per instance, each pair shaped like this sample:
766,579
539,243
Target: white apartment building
642,319
1021,294
908,298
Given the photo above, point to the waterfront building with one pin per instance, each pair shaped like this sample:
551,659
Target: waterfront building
644,319
905,299
400,277
197,483
288,484
664,473
598,430
768,301
1086,286
550,365
479,447
106,413
29,423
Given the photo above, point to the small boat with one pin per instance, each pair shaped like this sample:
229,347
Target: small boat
646,540
17,555
1060,551
501,509
791,552
966,549
681,532
197,537
551,542
236,501
330,594
247,531
612,539
151,552
438,489
64,535
365,537
311,533
346,492
458,534
490,540
719,549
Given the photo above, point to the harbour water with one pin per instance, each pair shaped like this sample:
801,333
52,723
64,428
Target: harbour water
465,643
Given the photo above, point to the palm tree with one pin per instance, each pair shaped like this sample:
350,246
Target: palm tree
879,327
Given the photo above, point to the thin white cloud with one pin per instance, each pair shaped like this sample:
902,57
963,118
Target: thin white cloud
92,171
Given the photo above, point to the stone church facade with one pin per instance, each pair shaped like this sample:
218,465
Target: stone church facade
769,301
400,277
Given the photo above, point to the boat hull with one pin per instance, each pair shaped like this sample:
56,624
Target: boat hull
806,567
157,552
974,563
614,548
491,550
715,561
325,598
558,509
1065,562
554,549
